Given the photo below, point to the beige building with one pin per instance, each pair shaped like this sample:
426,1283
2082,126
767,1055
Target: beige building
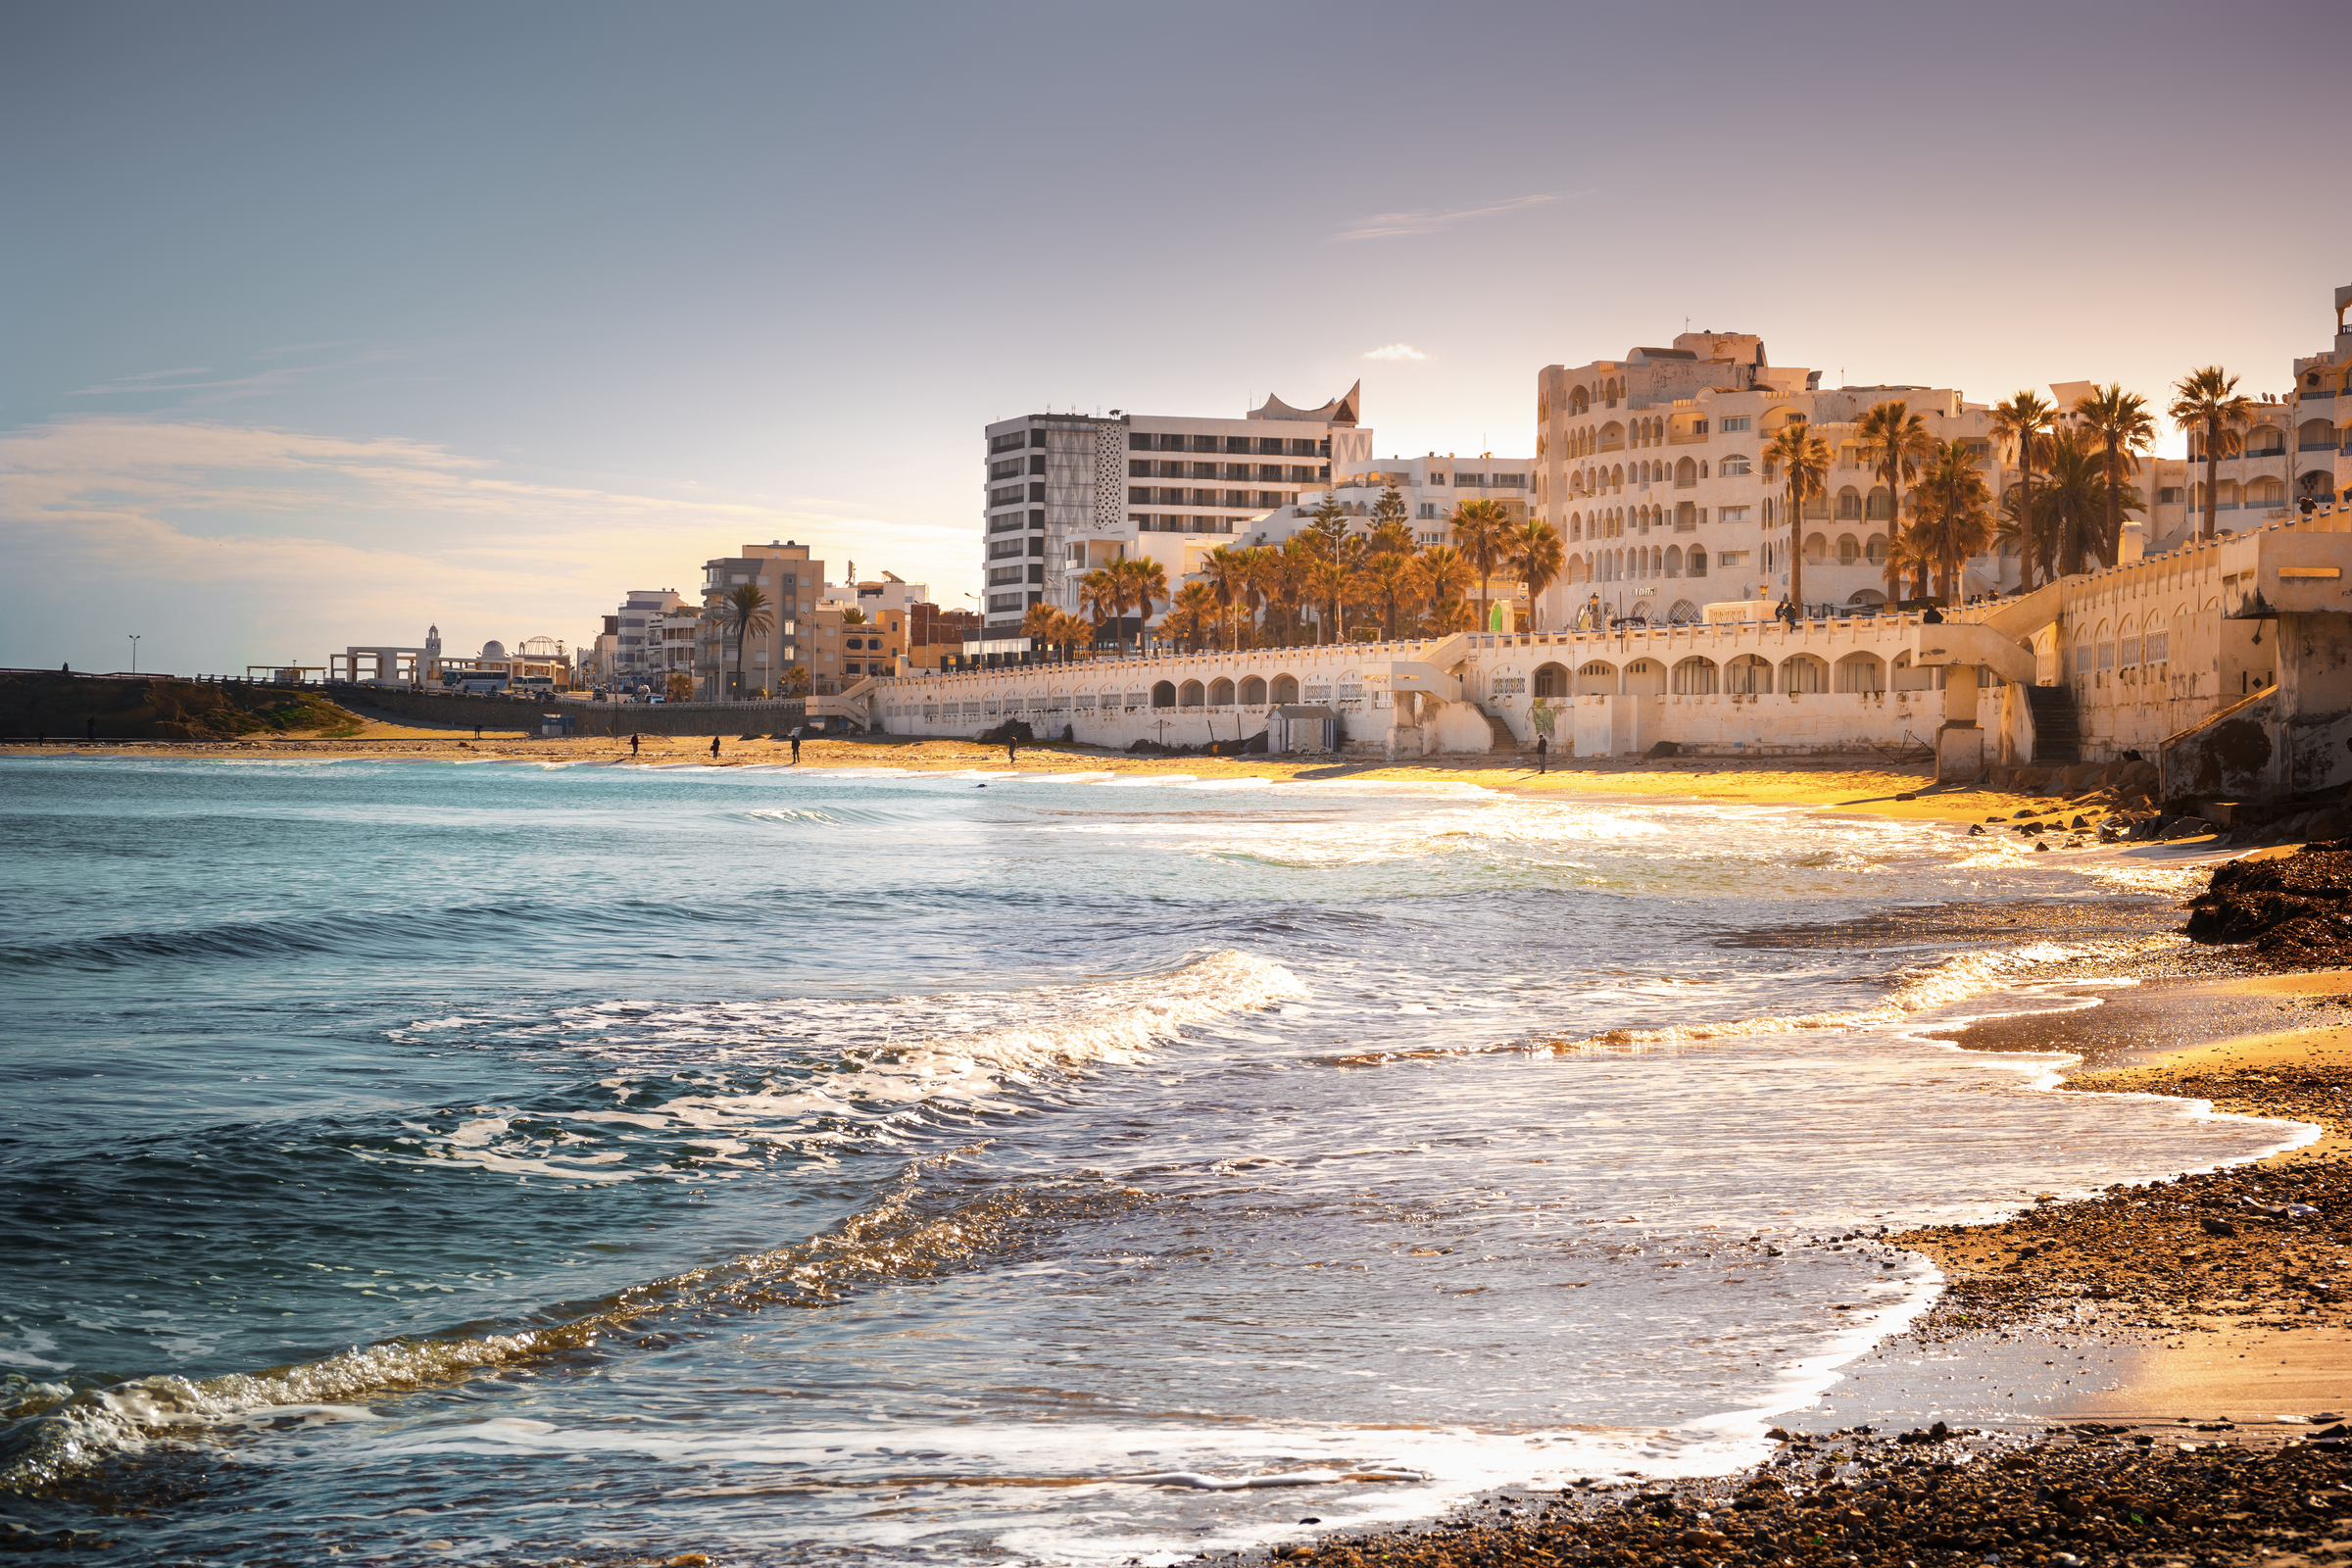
1652,468
793,584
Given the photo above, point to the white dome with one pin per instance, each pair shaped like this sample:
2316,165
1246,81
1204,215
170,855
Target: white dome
494,649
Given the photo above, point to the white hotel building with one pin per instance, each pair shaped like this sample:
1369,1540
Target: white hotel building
1653,469
1067,492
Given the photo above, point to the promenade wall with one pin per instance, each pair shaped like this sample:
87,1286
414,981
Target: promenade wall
589,719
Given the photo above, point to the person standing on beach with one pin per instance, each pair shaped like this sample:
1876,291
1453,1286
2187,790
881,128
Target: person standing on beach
1012,750
1543,751
795,738
715,748
632,743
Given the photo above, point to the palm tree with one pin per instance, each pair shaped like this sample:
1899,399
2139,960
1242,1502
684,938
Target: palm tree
1104,591
1803,460
1388,580
2024,528
2024,422
1539,556
1331,580
1226,570
1441,577
1481,531
1951,515
2122,426
1894,441
2073,509
1147,581
745,613
1191,614
2209,400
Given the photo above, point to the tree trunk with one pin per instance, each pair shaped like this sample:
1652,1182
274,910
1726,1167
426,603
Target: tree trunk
1797,553
2115,504
2213,443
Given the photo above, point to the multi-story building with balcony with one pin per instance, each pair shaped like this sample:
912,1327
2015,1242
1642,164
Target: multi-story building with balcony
792,584
1066,492
2294,454
637,649
1653,469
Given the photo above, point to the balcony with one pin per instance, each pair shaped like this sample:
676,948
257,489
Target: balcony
1678,438
2317,446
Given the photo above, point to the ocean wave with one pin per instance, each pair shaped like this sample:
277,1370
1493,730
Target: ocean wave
54,1431
705,1090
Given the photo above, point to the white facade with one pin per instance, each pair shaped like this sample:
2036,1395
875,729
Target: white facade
637,647
1066,492
1431,486
1653,469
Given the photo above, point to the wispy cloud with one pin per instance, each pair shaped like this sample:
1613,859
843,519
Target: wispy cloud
268,539
1395,351
1428,220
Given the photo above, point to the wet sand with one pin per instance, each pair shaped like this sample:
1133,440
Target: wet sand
1836,784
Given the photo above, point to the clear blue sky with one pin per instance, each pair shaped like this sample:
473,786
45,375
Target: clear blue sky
325,323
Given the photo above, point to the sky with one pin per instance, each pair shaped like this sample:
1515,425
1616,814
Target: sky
327,323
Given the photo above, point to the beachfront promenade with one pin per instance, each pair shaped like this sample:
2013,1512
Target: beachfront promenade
2159,656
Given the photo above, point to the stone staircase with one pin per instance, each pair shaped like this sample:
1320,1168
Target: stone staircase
2057,738
1504,740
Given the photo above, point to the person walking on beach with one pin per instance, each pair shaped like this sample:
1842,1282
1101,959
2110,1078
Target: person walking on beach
1543,751
1013,749
715,748
632,743
795,738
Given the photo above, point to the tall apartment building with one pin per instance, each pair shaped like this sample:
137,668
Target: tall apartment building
1066,492
792,584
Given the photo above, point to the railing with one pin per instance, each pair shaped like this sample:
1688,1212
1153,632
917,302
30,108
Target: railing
2317,446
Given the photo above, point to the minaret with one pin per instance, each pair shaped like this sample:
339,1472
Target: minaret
433,655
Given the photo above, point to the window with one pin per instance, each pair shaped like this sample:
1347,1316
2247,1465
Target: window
1698,427
1735,466
1005,443
1731,513
1737,421
1005,469
2168,495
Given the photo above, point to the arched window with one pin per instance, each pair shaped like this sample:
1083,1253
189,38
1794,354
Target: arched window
1748,676
1612,436
1735,466
1817,548
1189,695
1849,505
1696,563
1684,613
1861,672
1645,677
1617,478
1696,677
1284,689
1874,550
1849,549
1220,693
1803,672
1674,561
1576,526
1163,694
1254,692
1685,473
1878,506
1597,679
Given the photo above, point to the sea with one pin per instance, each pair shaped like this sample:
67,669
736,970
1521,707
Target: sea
503,1162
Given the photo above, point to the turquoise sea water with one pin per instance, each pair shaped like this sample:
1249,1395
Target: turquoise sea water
496,1162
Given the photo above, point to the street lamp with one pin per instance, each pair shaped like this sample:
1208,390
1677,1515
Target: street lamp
134,652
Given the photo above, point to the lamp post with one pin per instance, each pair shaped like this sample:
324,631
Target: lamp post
134,652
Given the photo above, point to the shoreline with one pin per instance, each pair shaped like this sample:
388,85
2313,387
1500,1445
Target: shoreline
2177,1348
1837,785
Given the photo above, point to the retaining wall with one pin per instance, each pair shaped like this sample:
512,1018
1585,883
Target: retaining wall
588,718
